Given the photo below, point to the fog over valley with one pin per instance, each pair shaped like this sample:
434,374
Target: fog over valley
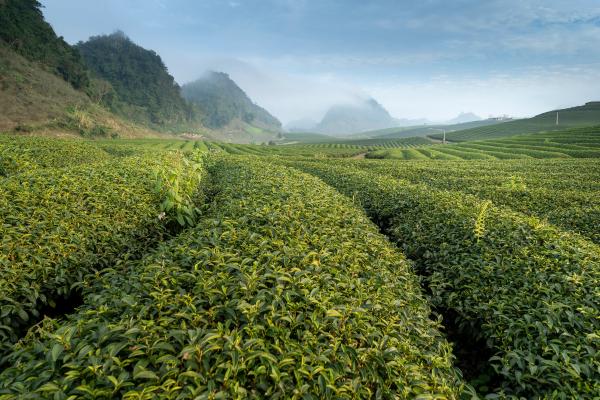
420,61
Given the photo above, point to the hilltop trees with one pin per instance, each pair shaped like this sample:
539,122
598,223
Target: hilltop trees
139,78
22,27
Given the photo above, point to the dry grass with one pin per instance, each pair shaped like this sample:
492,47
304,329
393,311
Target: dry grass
35,101
31,96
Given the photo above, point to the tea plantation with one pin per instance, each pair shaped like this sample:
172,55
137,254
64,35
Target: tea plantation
183,269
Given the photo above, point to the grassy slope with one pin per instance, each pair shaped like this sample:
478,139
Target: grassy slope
30,95
34,100
586,115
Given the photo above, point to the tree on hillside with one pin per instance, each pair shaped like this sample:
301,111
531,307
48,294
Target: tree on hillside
23,28
138,76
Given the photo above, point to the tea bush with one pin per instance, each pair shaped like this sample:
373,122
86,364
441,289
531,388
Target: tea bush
564,192
59,224
526,288
19,154
283,289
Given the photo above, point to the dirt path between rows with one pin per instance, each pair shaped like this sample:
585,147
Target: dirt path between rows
359,156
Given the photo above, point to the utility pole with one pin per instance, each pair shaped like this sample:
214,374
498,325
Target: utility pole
444,140
557,118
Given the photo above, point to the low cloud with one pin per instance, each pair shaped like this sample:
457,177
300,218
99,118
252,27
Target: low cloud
287,96
519,93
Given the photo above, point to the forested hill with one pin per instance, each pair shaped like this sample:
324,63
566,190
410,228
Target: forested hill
24,30
109,86
223,101
139,78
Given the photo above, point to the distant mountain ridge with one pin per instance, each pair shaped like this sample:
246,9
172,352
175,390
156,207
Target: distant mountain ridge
222,101
366,116
363,116
463,118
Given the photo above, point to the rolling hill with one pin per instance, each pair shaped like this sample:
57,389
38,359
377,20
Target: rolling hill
34,100
47,87
586,115
427,130
570,143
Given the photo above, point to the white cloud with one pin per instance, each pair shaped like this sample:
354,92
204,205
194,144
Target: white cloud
297,60
518,93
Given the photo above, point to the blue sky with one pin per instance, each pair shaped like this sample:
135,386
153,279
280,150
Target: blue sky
428,58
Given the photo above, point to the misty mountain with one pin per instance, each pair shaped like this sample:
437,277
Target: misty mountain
352,118
464,117
223,101
301,125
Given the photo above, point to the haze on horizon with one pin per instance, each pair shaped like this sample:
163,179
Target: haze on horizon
429,60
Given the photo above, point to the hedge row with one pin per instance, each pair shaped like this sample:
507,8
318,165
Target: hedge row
528,289
283,290
563,192
59,224
19,153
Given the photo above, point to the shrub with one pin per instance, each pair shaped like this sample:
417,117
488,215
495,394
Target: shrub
526,288
61,224
283,290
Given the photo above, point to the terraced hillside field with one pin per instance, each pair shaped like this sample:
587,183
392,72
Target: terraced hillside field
188,269
337,149
572,143
581,116
428,130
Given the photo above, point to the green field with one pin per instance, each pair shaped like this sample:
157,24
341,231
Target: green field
184,269
571,143
586,115
306,137
427,130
